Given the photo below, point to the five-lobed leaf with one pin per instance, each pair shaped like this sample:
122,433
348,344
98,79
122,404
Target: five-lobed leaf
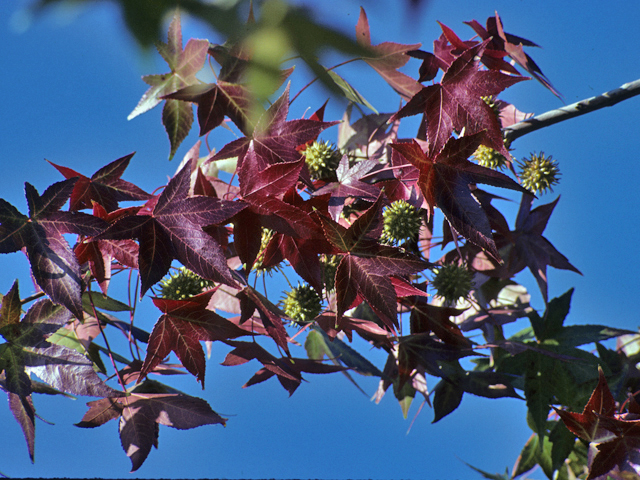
53,264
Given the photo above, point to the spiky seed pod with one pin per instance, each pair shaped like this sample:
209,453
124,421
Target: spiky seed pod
329,266
266,237
490,158
402,222
539,173
322,159
452,282
302,304
183,285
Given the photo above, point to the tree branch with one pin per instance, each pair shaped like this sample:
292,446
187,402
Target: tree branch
607,99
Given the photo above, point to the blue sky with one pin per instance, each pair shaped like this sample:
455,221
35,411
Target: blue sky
72,77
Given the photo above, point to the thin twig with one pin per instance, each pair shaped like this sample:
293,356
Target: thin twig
588,105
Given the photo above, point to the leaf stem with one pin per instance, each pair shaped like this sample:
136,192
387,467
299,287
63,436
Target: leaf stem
106,342
582,107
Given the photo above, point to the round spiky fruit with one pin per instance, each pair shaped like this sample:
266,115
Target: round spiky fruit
493,104
329,266
539,173
322,159
302,304
183,285
490,158
452,282
402,222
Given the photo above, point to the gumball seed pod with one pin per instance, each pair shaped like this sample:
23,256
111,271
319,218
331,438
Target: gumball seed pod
183,285
322,159
302,304
539,173
402,222
452,282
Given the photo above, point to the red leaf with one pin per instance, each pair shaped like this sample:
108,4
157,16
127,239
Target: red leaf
444,181
172,228
53,264
388,58
142,413
180,329
456,102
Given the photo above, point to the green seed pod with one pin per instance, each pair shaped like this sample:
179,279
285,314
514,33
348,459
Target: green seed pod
322,159
490,158
402,222
539,173
302,304
452,282
183,285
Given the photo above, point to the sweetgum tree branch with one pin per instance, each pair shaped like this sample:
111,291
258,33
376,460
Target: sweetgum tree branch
588,105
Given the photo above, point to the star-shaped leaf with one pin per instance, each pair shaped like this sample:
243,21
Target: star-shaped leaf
142,413
288,370
274,141
53,264
230,96
61,368
387,58
181,328
444,181
177,116
456,103
366,266
104,187
529,248
172,228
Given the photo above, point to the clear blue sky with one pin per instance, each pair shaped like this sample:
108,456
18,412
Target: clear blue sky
70,80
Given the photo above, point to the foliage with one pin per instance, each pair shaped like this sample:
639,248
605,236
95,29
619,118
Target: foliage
355,223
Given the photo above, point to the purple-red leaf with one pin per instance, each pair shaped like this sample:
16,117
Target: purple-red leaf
53,264
173,229
181,328
456,102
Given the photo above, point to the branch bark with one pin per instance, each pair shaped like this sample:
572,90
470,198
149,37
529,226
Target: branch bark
607,99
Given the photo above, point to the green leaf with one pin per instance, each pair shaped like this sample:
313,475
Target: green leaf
446,398
405,396
544,457
349,357
491,476
563,441
576,335
315,345
537,388
349,92
177,118
103,303
557,311
528,456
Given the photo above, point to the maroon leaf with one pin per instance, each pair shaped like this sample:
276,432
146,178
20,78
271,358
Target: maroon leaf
104,187
444,181
181,328
177,116
366,266
141,414
24,413
586,425
274,141
388,58
288,370
173,229
528,248
53,264
456,102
